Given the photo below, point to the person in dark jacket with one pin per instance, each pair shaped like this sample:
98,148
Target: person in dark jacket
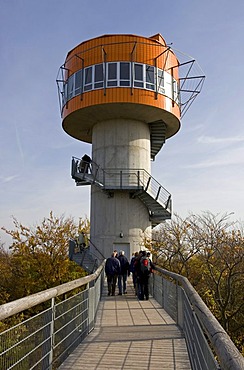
146,267
112,270
137,271
132,269
124,272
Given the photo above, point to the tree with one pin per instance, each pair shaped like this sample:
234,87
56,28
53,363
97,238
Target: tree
39,256
175,244
5,274
209,250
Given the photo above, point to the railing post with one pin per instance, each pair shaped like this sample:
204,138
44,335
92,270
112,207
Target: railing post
158,193
52,333
148,182
104,178
73,167
95,174
180,311
120,179
168,201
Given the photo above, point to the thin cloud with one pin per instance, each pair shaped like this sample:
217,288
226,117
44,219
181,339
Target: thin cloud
217,140
227,157
8,178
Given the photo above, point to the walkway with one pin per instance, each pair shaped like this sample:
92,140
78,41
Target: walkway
130,334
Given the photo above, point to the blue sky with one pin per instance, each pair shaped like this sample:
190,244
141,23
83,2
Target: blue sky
202,165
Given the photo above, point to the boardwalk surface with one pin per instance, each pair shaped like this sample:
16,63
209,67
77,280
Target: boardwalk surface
130,334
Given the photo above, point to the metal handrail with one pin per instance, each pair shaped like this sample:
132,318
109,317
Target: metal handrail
227,353
60,328
140,179
47,338
91,243
120,179
14,307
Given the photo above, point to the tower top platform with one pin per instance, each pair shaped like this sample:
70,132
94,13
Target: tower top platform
120,76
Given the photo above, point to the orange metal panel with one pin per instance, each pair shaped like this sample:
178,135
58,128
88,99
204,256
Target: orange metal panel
122,48
118,95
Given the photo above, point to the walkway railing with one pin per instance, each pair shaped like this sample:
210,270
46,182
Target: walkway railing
46,339
205,337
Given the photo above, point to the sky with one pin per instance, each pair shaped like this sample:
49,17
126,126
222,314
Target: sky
201,166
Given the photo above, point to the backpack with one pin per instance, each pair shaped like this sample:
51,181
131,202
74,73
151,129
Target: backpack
145,266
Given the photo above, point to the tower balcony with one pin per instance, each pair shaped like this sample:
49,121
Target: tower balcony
137,182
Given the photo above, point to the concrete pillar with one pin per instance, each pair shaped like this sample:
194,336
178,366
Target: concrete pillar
119,221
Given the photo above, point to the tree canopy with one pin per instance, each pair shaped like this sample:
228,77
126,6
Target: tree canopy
209,250
38,257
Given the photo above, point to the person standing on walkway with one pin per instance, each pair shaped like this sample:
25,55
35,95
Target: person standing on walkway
112,270
145,270
124,272
132,269
137,272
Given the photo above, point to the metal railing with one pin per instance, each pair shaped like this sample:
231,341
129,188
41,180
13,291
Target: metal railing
120,179
205,337
46,339
136,179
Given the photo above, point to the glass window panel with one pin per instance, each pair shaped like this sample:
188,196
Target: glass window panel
124,83
161,81
138,68
150,74
65,94
124,71
112,83
150,86
70,87
88,75
138,84
78,82
98,85
112,71
175,86
98,72
87,87
160,77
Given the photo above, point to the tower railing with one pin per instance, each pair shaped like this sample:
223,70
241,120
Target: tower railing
130,179
137,180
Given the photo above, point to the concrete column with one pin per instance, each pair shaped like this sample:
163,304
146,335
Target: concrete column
119,221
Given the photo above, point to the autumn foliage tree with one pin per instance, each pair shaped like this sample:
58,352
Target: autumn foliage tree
39,256
209,250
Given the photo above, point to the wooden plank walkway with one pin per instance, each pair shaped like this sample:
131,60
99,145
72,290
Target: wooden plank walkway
130,334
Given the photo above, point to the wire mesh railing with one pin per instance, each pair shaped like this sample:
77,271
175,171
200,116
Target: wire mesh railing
46,339
209,346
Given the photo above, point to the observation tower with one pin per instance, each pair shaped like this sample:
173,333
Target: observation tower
124,94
